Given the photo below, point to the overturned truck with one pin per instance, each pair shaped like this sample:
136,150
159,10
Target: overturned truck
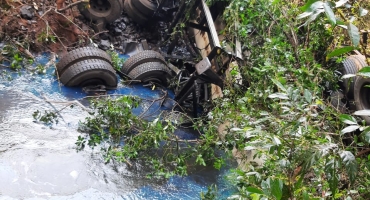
195,77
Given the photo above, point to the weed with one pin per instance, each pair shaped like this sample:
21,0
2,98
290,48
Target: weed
47,118
117,62
46,37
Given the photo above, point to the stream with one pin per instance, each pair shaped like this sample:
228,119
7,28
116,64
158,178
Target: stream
41,162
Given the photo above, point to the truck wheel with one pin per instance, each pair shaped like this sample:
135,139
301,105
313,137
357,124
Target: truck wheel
106,10
362,96
80,54
351,66
146,7
90,72
140,58
336,100
154,72
134,13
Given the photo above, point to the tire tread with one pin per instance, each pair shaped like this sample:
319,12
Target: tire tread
68,78
142,57
80,54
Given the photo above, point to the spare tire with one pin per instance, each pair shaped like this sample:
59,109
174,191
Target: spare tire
351,66
145,7
80,54
133,13
106,10
140,58
362,96
154,72
90,72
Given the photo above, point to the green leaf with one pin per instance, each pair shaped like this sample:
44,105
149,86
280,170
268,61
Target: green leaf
340,3
349,129
310,159
254,190
366,135
332,175
362,113
265,185
308,96
347,119
348,76
329,13
311,9
365,71
363,11
340,51
200,160
276,188
278,95
279,85
313,16
353,34
309,4
350,163
305,195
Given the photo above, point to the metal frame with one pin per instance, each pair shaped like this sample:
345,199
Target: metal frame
204,71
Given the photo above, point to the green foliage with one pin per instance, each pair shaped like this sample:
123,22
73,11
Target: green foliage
125,137
116,60
46,36
286,137
341,15
40,69
16,63
47,118
14,56
283,117
211,193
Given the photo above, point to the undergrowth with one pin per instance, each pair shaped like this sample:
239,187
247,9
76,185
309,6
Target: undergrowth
280,114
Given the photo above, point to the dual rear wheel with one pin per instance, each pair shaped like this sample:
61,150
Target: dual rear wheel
91,66
86,66
147,67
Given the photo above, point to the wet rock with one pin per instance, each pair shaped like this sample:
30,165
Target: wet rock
122,26
26,12
117,30
104,44
126,20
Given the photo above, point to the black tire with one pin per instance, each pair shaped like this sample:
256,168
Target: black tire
145,7
133,13
336,100
154,72
140,58
362,96
90,72
351,66
80,54
97,10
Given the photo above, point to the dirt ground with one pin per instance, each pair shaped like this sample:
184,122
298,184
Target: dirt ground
42,25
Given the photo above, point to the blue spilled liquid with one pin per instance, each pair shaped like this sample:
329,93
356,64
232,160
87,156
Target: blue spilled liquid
176,187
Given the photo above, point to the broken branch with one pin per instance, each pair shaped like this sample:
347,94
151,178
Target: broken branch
72,4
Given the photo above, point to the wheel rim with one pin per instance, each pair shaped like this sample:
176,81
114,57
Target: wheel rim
100,6
365,95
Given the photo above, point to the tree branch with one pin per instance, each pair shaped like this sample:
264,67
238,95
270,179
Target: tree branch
72,4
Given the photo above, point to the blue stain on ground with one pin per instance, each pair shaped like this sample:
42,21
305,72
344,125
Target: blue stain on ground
177,187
